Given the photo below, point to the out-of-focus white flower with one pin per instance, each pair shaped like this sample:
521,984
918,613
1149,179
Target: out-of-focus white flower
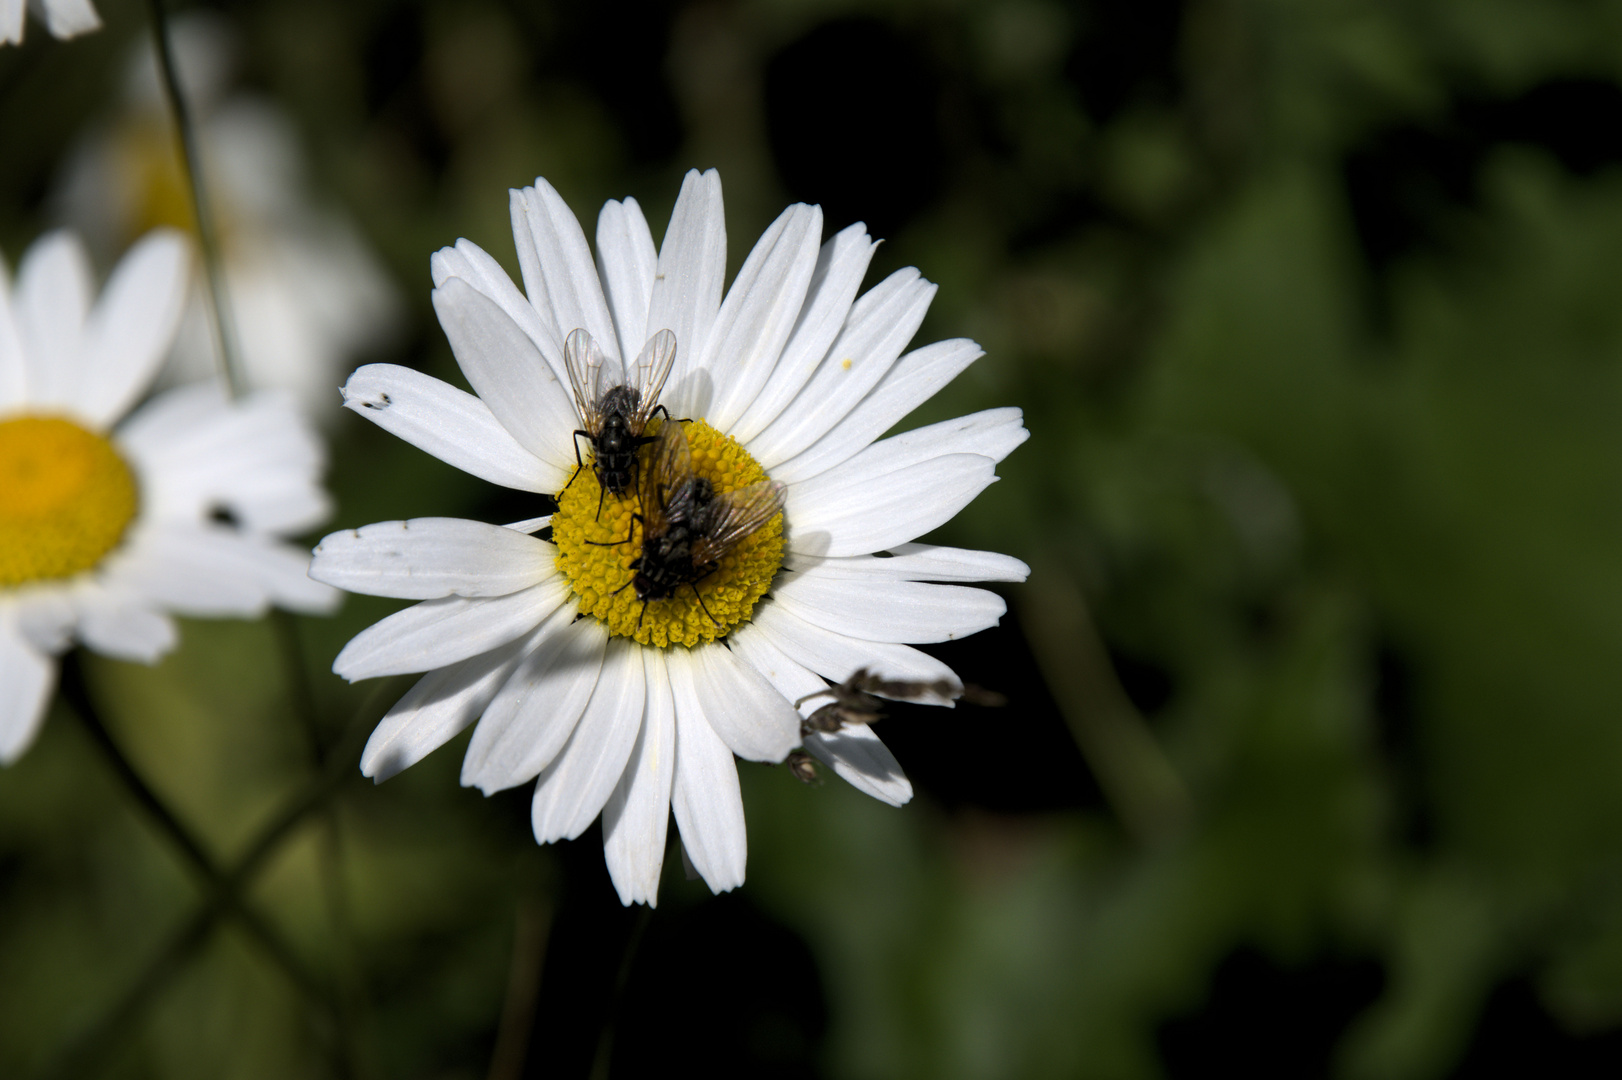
64,18
308,296
661,629
104,529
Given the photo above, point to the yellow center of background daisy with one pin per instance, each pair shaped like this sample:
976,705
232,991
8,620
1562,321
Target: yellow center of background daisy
66,498
600,569
145,152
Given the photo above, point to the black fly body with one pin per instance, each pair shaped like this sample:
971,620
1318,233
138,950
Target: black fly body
687,526
617,416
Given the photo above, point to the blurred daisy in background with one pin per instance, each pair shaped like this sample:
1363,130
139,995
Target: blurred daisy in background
631,701
64,18
308,296
105,527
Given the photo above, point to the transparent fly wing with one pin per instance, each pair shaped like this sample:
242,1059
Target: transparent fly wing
733,516
670,468
584,360
652,369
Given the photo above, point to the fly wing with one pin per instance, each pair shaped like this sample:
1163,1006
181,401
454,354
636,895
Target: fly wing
652,369
584,360
735,515
670,468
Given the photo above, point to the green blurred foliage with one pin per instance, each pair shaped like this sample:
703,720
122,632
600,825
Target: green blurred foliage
1356,501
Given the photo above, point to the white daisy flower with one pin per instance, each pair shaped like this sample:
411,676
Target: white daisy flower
64,18
309,297
632,707
104,529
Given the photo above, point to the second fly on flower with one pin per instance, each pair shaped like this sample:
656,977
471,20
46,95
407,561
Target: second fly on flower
688,526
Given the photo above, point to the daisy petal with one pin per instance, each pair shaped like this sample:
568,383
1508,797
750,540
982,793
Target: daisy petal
836,519
561,278
754,720
863,761
28,678
44,617
992,433
439,632
530,526
915,379
877,610
194,569
475,266
572,790
919,562
878,328
132,325
284,572
834,283
114,623
437,708
455,427
69,18
199,453
637,814
704,794
426,558
11,21
535,711
687,286
790,679
51,302
508,372
835,656
626,263
760,311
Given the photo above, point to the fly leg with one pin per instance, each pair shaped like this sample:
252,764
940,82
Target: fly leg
579,463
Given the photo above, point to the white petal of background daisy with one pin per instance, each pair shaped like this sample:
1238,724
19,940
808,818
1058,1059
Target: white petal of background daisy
623,698
309,297
107,527
64,18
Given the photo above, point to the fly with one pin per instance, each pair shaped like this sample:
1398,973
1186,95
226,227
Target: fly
616,417
688,526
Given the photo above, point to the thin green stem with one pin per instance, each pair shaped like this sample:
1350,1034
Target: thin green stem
533,927
224,893
605,1041
1138,780
349,996
216,883
88,1046
220,316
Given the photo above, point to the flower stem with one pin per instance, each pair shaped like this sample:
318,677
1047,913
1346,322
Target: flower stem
605,1040
220,317
1139,782
530,935
349,997
225,889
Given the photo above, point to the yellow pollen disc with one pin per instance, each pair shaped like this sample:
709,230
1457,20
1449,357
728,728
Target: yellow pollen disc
66,498
146,155
600,569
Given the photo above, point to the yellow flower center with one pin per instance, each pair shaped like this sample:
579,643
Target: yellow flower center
595,553
66,498
150,165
